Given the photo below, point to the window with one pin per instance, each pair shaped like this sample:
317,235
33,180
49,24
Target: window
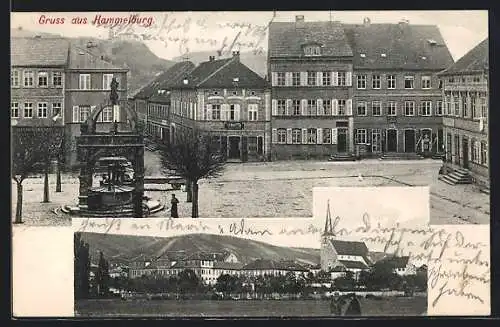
476,79
484,107
280,79
484,153
376,108
409,82
282,135
28,78
456,102
451,80
391,81
84,113
14,78
361,81
106,81
327,135
409,108
232,112
311,78
42,110
216,112
327,107
14,110
28,110
465,111
107,114
341,107
312,135
376,81
281,107
327,78
296,107
361,136
476,151
426,107
43,79
296,78
84,82
311,108
439,108
252,111
361,108
57,79
440,84
391,108
312,51
296,136
473,106
426,82
342,79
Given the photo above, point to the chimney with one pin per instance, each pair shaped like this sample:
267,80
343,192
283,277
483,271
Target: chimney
299,18
403,23
236,55
366,22
211,58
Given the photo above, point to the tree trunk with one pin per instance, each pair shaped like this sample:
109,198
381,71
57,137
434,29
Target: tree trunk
46,185
189,190
19,206
194,211
58,177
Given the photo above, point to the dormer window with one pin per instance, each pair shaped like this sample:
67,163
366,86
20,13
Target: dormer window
362,55
312,50
216,93
383,55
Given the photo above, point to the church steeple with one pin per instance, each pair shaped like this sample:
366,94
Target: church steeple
328,222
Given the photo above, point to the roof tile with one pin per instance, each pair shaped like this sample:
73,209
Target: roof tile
474,61
39,51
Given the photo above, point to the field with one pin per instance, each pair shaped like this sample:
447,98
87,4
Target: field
394,306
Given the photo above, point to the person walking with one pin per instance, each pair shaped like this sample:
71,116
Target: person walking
173,208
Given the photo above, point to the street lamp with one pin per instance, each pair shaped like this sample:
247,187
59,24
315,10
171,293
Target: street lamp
58,165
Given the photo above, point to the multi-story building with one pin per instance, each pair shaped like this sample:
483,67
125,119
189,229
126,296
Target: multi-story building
465,95
87,85
229,102
38,81
152,102
310,65
397,94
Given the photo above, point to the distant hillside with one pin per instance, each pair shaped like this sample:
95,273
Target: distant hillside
256,62
144,65
123,248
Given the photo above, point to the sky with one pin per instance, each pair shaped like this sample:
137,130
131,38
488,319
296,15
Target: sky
178,33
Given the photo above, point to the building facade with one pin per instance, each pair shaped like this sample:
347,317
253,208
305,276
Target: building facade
310,65
227,101
466,99
88,84
397,94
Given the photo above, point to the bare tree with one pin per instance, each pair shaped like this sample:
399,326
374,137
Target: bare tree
193,157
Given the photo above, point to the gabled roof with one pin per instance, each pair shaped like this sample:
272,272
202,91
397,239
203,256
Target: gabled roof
267,264
474,61
32,51
165,80
405,46
350,248
353,264
287,39
80,58
221,74
228,265
396,262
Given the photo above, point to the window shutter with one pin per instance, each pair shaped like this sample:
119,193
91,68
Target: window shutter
368,137
335,107
319,78
335,78
430,107
469,105
303,105
274,78
303,78
99,117
396,108
304,136
288,106
319,107
116,113
237,112
224,110
274,136
382,109
319,136
76,114
460,107
334,136
348,78
288,136
209,112
348,104
420,110
274,105
288,79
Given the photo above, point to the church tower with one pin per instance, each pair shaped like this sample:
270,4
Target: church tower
327,253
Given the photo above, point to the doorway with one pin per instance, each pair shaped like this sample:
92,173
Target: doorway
342,140
457,149
409,140
465,152
234,147
439,141
448,148
376,140
392,140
